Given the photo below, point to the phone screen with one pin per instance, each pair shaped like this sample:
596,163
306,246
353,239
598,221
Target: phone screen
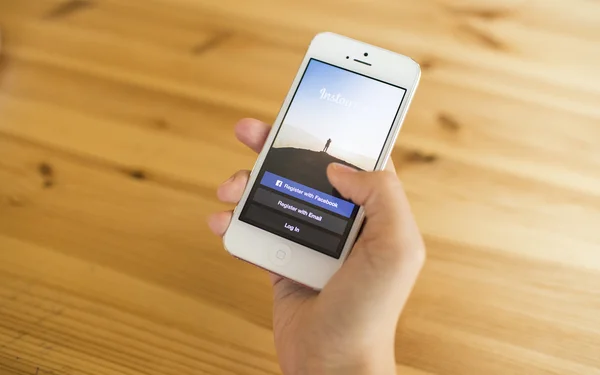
336,115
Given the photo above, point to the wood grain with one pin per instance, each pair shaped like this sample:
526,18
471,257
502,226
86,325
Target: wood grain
116,128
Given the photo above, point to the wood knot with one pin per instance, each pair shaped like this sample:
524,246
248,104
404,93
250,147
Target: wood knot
420,157
67,8
448,122
487,14
212,43
137,174
47,172
160,124
15,201
483,38
427,64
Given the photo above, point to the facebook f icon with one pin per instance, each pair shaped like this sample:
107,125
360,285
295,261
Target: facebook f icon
279,183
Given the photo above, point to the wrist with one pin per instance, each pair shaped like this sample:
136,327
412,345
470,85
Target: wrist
388,368
369,364
375,364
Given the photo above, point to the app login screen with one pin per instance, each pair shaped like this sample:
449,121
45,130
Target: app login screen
336,116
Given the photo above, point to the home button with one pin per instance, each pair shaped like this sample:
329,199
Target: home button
280,255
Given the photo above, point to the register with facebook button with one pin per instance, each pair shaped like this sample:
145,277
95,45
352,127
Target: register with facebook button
336,116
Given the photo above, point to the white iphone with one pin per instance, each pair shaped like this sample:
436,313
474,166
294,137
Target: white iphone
346,105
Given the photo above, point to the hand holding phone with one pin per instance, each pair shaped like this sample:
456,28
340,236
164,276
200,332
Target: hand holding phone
349,327
346,106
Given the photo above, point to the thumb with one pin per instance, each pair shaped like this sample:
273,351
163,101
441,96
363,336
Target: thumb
390,224
375,191
389,253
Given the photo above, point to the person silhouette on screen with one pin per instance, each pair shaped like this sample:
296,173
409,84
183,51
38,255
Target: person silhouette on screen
327,144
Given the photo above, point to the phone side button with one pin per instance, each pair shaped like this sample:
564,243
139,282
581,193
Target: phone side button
280,255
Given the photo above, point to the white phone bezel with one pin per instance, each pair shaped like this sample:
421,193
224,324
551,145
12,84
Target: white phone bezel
305,265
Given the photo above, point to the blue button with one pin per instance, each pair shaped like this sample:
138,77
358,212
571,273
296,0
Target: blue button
312,196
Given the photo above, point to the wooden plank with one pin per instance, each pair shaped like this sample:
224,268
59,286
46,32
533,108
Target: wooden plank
65,303
183,74
506,322
126,105
551,209
527,150
134,225
575,72
450,199
17,366
130,148
459,77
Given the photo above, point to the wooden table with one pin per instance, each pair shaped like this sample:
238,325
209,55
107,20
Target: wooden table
116,128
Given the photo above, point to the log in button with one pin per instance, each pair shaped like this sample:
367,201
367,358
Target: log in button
293,229
300,211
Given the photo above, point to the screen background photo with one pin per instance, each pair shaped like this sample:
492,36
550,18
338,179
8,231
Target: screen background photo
354,112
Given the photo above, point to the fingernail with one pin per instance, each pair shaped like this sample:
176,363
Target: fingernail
343,168
230,179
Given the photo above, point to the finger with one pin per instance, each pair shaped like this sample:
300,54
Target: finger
386,206
275,278
219,222
253,133
287,289
390,166
380,193
231,191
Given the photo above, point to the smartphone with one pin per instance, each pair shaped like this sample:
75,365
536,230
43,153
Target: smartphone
346,105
